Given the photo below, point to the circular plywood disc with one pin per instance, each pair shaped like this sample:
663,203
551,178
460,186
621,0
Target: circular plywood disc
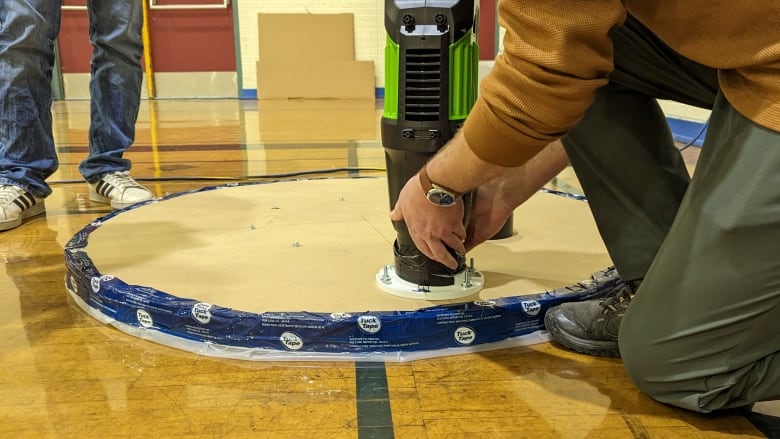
316,246
287,271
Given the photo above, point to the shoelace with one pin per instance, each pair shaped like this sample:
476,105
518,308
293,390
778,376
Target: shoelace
121,180
621,299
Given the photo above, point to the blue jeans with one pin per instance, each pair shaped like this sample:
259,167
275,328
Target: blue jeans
27,34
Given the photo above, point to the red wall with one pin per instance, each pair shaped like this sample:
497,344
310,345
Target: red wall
487,29
182,40
75,50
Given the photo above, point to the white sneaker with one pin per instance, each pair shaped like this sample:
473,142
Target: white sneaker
16,204
119,190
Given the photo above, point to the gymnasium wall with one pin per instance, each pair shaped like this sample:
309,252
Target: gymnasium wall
190,48
204,37
369,46
369,30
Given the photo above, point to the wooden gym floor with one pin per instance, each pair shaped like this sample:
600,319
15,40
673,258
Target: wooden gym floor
65,375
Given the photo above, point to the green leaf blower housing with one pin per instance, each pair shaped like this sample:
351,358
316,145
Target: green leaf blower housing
431,68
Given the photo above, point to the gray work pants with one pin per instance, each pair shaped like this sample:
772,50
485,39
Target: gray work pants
703,331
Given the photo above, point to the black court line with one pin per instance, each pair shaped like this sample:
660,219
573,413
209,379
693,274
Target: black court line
374,418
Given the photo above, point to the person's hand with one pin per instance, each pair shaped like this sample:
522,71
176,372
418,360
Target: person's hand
432,228
495,200
489,213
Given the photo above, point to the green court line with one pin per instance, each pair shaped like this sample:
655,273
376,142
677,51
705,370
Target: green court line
375,420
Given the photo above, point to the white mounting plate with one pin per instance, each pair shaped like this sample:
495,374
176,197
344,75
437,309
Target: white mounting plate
391,283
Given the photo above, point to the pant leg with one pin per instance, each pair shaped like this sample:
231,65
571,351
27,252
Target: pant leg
631,173
623,152
703,331
27,33
115,84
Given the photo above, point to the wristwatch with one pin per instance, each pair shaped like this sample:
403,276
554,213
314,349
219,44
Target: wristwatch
437,194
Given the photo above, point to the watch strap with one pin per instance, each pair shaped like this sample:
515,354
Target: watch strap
427,184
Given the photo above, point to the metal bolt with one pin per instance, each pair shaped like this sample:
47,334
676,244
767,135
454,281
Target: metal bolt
466,279
386,276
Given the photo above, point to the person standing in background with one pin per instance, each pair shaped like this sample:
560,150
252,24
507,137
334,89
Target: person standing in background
28,31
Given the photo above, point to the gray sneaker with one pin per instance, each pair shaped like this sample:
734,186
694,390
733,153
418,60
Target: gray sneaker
16,204
591,327
119,190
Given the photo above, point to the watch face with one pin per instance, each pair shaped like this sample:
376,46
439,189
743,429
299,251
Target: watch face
440,197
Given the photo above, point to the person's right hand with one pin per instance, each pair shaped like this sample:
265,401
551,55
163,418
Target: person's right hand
433,229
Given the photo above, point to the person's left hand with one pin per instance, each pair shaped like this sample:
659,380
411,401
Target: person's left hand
489,213
432,228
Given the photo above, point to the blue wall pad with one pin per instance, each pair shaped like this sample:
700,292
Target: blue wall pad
249,94
686,131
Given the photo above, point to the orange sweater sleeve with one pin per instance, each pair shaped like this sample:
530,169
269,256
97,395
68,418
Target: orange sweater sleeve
556,54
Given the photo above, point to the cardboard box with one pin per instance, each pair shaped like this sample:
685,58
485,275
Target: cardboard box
311,56
315,80
306,37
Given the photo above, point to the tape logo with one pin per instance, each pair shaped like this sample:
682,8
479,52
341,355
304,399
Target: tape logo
202,312
531,307
465,335
95,281
144,318
369,324
291,341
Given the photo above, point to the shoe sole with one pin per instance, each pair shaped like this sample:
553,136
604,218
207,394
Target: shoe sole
38,209
583,346
96,197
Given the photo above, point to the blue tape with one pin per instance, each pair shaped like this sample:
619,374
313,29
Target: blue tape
438,327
